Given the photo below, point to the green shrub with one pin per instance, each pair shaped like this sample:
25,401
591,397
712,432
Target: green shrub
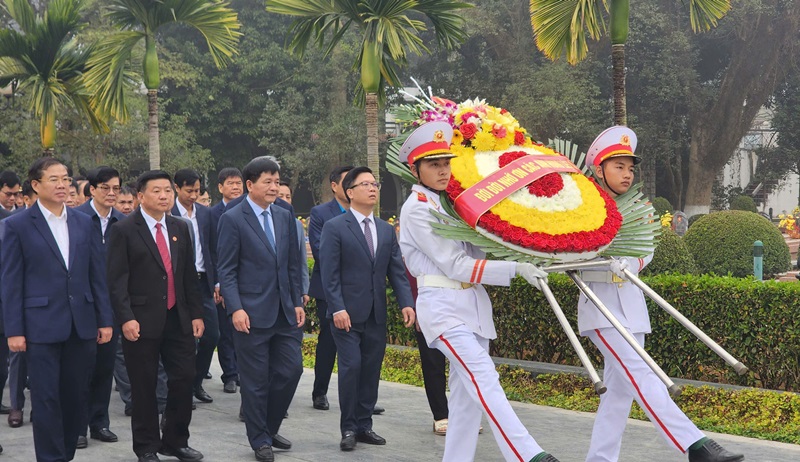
662,205
671,256
694,218
745,203
722,243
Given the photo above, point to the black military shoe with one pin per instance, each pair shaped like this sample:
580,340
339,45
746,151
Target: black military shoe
711,451
348,441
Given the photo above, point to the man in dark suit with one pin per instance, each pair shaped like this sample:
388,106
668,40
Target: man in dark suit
187,188
153,284
231,186
55,306
104,185
326,348
9,190
3,344
358,252
259,273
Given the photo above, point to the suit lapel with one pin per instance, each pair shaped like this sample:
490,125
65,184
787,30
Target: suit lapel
147,237
384,238
355,228
40,223
174,244
255,223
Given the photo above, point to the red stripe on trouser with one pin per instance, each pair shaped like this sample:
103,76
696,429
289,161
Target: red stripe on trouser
480,396
639,392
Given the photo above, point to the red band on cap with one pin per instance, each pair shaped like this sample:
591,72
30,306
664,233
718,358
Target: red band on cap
432,147
612,150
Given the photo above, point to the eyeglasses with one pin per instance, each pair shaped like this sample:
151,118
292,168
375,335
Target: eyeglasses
11,194
367,184
55,180
106,188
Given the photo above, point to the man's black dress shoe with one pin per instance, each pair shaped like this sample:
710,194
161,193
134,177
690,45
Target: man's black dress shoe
280,442
82,442
4,409
15,418
378,410
370,437
105,435
208,375
711,451
183,454
264,454
128,411
321,402
149,457
348,441
201,394
230,386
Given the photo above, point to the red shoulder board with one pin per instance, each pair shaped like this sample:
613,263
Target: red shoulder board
422,197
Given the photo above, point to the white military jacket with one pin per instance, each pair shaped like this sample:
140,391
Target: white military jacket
427,253
624,300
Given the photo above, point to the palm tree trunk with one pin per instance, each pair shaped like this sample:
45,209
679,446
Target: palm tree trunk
618,69
47,127
152,112
373,160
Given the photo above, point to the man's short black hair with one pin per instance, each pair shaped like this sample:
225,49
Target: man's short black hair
349,180
127,190
74,185
146,177
186,177
257,167
285,183
336,173
87,191
27,189
102,175
9,178
39,166
228,172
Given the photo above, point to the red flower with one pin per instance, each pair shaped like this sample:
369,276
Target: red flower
519,138
468,131
503,111
499,131
467,115
509,157
547,186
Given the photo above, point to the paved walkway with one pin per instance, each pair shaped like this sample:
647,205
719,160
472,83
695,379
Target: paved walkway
217,432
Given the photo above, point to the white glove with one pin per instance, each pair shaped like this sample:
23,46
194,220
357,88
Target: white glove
533,274
618,267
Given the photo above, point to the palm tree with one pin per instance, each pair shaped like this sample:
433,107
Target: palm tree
42,58
561,27
140,20
388,35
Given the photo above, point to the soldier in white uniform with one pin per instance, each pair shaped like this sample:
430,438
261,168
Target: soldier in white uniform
625,374
453,309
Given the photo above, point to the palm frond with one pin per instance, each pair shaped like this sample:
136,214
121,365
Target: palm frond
561,27
570,150
23,14
106,75
216,21
394,165
703,14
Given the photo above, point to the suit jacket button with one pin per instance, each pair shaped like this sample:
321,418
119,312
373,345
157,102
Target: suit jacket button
163,277
164,297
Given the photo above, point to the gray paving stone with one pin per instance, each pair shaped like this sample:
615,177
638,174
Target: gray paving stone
406,425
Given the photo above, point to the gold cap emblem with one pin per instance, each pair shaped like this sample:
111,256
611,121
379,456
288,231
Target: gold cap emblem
625,140
438,136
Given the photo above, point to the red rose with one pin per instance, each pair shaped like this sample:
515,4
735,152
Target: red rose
519,138
509,157
468,131
468,115
528,241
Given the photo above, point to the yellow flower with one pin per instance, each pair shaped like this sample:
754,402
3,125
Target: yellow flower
458,138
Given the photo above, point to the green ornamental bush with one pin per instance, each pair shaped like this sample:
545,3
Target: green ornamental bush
744,203
722,243
662,205
694,218
671,256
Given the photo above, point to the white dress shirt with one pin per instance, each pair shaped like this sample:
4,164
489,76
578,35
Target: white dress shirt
258,211
58,226
103,219
151,225
199,263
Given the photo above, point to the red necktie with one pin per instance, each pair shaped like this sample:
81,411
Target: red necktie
161,243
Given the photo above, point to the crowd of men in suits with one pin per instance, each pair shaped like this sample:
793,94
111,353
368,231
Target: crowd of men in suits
142,284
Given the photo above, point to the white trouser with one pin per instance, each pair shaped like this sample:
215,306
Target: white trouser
628,377
475,389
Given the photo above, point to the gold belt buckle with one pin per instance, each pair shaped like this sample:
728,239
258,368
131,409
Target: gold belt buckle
616,279
466,285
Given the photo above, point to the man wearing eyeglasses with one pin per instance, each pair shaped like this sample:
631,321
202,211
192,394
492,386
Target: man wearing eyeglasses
104,187
56,306
9,190
357,253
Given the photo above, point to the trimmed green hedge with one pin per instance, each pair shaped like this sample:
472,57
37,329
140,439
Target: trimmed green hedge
722,243
757,322
671,256
662,205
745,203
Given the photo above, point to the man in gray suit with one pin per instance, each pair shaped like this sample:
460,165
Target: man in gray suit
259,273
